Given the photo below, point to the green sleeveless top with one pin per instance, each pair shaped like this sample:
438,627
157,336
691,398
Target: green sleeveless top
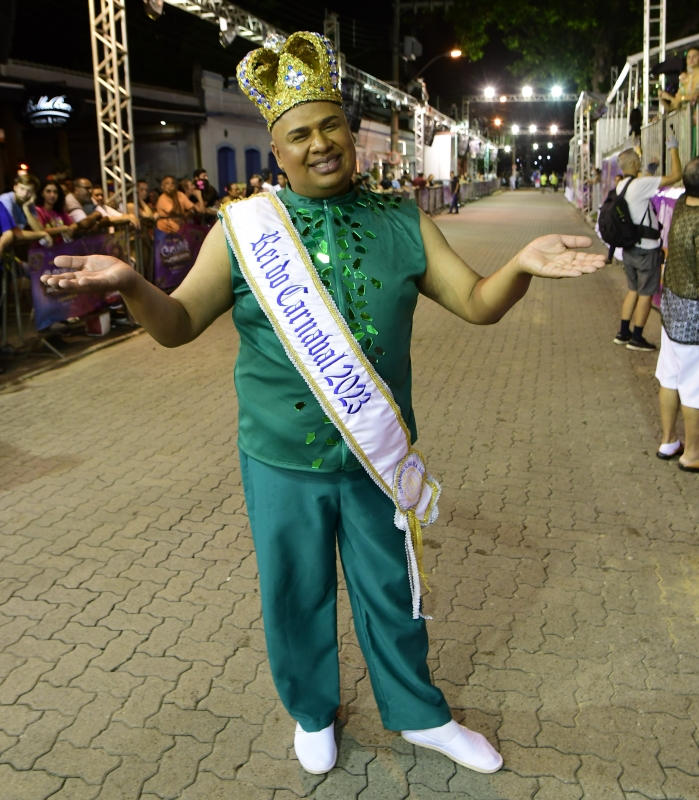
369,253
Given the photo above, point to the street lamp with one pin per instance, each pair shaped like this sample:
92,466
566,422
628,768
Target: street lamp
507,148
497,122
557,91
554,129
532,129
515,129
503,98
451,54
535,146
550,145
489,92
527,91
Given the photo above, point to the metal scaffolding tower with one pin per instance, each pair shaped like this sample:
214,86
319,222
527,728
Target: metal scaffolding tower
244,24
654,16
110,61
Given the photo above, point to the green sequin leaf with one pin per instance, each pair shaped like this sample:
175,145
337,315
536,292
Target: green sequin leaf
343,244
319,224
331,442
362,289
346,219
327,271
355,225
376,283
318,234
360,249
325,282
337,221
336,211
380,351
343,255
323,245
348,296
310,438
366,316
370,234
359,274
346,271
342,232
368,343
361,303
351,314
356,236
327,420
316,464
372,329
305,231
354,326
317,214
299,406
357,263
323,258
380,204
359,335
363,205
349,284
378,214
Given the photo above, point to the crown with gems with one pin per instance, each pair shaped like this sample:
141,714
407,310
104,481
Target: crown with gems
287,72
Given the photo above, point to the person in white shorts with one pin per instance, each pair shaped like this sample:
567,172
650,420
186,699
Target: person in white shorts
678,362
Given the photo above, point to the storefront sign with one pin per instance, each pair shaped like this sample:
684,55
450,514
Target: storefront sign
174,254
46,111
51,305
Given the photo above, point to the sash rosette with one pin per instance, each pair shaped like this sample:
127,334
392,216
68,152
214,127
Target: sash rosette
317,340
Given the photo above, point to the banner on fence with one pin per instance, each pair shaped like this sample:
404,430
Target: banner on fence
51,305
174,254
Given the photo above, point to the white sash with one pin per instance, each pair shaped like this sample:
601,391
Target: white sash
315,336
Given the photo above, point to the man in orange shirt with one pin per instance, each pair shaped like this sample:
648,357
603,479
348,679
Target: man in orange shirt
174,207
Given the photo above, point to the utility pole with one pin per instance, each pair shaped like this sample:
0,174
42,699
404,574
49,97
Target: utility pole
429,5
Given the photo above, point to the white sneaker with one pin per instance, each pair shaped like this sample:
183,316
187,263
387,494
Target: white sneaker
317,752
468,748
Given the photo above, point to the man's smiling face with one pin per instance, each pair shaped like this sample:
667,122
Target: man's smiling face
313,145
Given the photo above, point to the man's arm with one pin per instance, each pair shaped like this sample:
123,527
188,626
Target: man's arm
675,173
172,320
449,281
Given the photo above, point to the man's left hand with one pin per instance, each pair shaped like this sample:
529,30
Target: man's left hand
554,256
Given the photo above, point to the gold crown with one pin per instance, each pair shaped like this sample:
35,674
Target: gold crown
287,72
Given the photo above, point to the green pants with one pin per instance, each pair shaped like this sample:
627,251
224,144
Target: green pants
295,518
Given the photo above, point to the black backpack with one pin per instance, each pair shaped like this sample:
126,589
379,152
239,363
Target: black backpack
616,227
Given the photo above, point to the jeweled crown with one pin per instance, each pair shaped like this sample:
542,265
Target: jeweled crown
287,72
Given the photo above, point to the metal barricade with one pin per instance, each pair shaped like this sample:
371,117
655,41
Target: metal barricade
679,123
652,145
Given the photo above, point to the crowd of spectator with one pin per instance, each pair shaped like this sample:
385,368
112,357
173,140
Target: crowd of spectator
60,209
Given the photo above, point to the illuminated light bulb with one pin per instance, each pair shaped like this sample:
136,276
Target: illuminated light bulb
497,122
554,129
557,91
515,129
550,145
527,91
503,98
456,53
507,148
489,92
532,129
535,146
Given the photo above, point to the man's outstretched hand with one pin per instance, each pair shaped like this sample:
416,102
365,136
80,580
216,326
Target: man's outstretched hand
91,274
554,256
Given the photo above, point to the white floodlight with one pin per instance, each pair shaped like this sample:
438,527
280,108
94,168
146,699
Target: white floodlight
507,148
532,129
489,92
367,86
527,91
557,91
153,8
226,35
548,158
554,129
162,122
515,129
550,145
535,146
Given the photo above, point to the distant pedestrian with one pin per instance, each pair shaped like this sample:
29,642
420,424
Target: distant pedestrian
642,262
553,180
454,186
544,179
513,179
678,362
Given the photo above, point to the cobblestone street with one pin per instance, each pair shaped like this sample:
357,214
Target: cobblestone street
564,566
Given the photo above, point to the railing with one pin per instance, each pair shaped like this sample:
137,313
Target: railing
680,123
652,142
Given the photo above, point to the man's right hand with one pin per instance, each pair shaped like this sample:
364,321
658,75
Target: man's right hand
91,274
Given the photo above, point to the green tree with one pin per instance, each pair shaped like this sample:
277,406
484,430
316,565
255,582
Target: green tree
575,39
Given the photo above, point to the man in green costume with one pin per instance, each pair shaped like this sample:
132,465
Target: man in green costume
304,488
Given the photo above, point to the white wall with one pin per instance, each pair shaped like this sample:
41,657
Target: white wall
374,144
231,120
439,159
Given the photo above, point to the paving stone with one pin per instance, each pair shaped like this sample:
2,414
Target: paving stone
680,786
77,789
271,773
71,762
34,785
143,701
231,748
146,743
208,786
178,768
432,770
63,699
551,789
91,720
200,724
502,785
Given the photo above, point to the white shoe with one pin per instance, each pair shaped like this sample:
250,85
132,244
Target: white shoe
317,752
468,748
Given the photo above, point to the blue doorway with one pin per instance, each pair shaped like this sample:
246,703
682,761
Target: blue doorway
253,162
227,169
272,166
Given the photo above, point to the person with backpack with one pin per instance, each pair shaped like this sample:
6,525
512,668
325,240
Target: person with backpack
627,219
